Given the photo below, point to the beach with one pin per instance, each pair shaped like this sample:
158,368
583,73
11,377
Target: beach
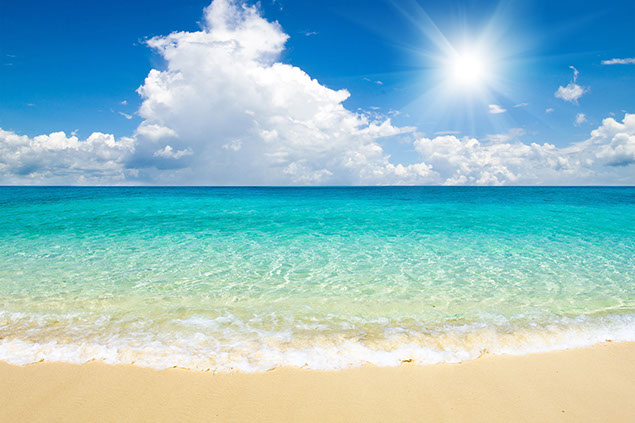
594,384
317,304
344,211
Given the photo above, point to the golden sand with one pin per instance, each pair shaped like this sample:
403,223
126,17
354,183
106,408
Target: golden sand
584,385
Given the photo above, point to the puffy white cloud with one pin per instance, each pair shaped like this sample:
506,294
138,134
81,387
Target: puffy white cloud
572,92
580,118
154,132
496,109
501,161
626,61
249,118
468,161
58,159
613,143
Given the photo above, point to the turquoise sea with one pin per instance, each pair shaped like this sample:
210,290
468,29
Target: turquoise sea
248,279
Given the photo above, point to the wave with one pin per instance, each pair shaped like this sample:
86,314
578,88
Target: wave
198,343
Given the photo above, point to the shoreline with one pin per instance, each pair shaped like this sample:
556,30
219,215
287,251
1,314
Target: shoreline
456,343
585,384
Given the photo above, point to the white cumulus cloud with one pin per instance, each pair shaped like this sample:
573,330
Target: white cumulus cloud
502,160
154,132
572,92
59,159
613,144
248,117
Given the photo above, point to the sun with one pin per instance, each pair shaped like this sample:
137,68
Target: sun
467,68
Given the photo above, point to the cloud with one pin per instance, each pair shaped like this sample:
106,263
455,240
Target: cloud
309,33
580,119
521,105
549,110
59,159
575,73
373,81
126,115
572,92
169,153
504,161
613,143
154,132
226,83
501,159
226,111
496,109
626,61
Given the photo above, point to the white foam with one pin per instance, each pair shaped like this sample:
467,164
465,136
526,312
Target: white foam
215,347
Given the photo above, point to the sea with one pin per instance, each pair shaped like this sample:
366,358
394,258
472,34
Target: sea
250,279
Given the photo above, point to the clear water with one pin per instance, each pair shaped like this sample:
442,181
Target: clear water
253,278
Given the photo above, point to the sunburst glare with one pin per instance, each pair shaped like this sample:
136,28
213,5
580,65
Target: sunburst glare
468,68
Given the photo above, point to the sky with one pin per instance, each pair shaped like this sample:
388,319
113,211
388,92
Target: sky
289,92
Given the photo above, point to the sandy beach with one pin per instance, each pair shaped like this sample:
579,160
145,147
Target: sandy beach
594,384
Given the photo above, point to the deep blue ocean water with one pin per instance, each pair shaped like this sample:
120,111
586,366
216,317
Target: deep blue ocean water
253,278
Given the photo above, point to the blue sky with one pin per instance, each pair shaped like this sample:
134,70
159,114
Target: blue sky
75,66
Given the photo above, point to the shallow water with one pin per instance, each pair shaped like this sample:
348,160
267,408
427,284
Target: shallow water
253,278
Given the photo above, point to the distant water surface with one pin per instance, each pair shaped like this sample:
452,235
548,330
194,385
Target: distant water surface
254,278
